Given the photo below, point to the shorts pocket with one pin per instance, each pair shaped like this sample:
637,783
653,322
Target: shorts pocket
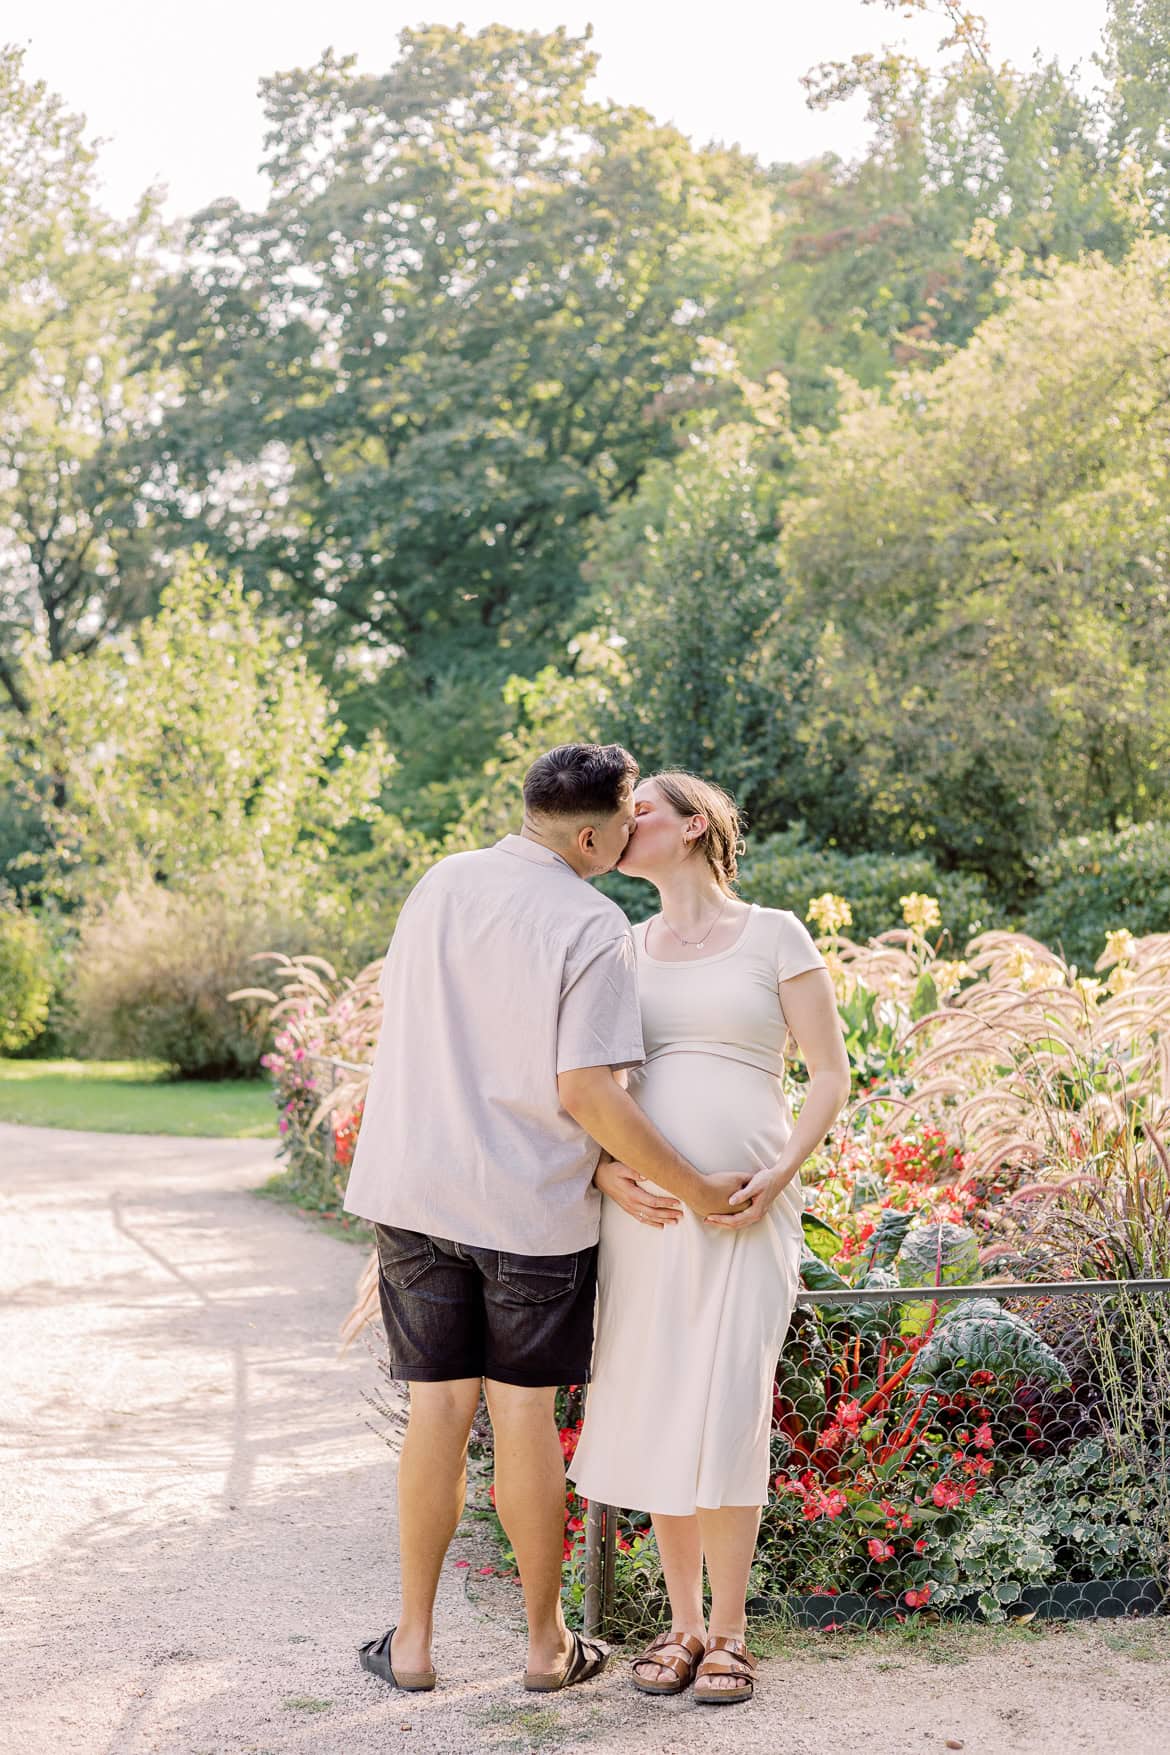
536,1279
404,1256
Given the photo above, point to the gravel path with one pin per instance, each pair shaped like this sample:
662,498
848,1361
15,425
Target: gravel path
197,1527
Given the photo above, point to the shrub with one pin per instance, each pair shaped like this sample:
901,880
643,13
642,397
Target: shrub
26,980
316,1015
1092,884
784,871
153,971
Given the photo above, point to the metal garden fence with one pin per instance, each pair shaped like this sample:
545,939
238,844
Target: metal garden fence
992,1450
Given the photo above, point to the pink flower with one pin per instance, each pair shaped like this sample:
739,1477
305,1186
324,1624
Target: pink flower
917,1599
461,1564
849,1415
880,1551
945,1494
983,1439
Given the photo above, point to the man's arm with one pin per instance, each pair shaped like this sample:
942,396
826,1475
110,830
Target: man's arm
609,1114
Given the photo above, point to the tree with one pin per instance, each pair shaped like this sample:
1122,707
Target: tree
446,343
871,269
77,559
687,575
1137,62
197,746
985,556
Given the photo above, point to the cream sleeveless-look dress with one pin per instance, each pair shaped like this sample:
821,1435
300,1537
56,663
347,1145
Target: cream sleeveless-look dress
691,1318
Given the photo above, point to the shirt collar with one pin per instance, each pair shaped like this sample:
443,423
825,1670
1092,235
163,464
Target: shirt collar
523,848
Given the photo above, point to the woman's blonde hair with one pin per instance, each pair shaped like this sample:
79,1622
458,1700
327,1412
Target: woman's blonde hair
722,842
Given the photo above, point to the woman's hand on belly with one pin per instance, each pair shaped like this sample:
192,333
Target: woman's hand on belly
620,1183
756,1196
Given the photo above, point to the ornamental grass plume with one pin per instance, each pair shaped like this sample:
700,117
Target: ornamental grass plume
1035,1063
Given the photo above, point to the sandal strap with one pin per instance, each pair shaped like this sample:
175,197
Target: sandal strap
732,1658
680,1666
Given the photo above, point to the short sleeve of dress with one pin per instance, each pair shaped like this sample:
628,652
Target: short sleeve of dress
600,1020
796,950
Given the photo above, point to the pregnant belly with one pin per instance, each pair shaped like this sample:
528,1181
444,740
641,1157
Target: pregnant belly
720,1114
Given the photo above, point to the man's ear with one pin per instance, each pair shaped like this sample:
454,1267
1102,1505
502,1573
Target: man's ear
585,841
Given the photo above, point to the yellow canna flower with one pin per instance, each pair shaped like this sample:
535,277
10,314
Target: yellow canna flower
1089,986
839,974
1018,966
947,975
1120,945
920,912
1121,978
830,912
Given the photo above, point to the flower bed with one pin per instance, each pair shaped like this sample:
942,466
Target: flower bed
930,1455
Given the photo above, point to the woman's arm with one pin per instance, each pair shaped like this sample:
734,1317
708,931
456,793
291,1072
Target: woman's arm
810,1008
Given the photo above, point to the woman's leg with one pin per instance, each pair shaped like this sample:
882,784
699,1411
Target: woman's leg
729,1543
681,1553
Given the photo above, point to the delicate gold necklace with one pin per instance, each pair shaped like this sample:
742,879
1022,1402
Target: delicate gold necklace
698,943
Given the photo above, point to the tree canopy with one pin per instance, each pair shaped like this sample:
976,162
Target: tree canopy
513,412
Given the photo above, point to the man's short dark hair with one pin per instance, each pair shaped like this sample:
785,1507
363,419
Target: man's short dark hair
580,780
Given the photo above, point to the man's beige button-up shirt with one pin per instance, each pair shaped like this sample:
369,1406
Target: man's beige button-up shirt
505,969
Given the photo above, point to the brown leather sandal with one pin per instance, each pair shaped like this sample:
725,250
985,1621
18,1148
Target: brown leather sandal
678,1652
725,1657
586,1659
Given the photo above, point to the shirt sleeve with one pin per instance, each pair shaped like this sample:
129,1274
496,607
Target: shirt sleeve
796,950
599,1022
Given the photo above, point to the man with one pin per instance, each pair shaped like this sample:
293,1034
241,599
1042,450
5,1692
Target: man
510,1001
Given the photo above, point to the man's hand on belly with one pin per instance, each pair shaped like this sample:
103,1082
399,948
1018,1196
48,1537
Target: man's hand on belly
712,1199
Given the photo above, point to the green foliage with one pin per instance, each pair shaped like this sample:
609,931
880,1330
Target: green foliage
197,745
887,1240
785,871
1095,883
154,969
447,341
26,982
639,1606
871,270
500,361
1080,1516
80,557
939,1255
980,1335
983,553
687,573
1137,59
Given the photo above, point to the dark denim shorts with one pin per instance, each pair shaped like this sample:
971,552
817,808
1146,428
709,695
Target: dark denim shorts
452,1310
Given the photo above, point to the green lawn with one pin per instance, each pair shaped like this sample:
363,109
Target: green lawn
133,1096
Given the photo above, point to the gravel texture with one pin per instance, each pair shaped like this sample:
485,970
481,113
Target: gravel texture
197,1526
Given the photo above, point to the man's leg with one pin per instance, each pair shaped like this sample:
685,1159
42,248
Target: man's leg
530,1501
432,1483
432,1308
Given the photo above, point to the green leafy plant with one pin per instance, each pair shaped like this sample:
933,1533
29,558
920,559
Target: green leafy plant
981,1336
26,982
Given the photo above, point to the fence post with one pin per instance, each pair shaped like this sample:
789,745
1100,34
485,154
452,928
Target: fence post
600,1560
594,1567
329,1143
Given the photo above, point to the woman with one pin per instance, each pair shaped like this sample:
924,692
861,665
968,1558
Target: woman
692,1313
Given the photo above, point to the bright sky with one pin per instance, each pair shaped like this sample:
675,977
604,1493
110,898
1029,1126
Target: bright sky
177,102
